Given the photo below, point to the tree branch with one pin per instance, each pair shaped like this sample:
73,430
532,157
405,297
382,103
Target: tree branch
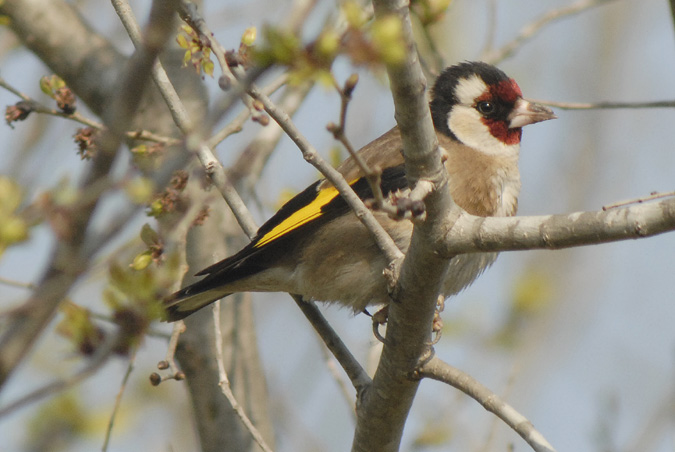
380,417
248,167
436,369
471,234
225,382
37,107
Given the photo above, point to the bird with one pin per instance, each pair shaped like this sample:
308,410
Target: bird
315,247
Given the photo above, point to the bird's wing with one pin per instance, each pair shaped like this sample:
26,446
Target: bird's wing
296,220
317,204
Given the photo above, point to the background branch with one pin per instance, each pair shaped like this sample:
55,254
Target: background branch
607,105
531,30
118,401
225,382
96,363
67,261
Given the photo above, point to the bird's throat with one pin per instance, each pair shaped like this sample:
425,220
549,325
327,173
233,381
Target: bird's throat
482,184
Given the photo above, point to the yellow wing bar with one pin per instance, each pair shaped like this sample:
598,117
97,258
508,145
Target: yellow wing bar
301,216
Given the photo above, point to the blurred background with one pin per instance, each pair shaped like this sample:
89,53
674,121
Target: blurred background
580,341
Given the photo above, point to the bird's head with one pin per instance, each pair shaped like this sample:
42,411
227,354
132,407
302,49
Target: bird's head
478,105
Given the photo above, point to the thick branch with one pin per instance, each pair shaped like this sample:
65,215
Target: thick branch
476,234
380,415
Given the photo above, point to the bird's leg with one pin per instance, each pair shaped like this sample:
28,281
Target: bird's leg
380,318
437,323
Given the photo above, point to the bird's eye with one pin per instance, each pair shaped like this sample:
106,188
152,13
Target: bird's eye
485,107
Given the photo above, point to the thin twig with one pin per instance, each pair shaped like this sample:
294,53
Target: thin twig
606,105
188,12
169,361
236,125
652,196
531,30
339,130
161,177
178,329
144,135
19,284
161,79
301,11
11,89
225,382
436,369
437,64
248,167
118,400
510,383
491,29
372,175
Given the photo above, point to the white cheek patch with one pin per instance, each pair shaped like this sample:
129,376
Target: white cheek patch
467,125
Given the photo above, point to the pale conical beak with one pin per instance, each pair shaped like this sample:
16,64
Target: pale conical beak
525,113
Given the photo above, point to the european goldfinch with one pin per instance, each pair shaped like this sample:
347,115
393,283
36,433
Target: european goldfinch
314,246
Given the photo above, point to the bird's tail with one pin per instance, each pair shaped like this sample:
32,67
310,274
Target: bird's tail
190,299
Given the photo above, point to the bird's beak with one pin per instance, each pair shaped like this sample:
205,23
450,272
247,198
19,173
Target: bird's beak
525,113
